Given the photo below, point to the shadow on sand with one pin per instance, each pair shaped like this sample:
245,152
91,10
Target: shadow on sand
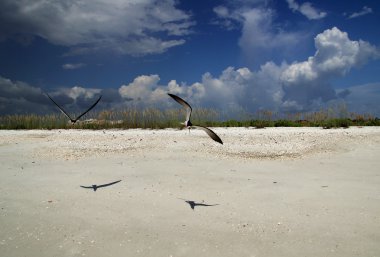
95,187
193,203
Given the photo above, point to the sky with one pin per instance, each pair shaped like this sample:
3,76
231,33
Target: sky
287,56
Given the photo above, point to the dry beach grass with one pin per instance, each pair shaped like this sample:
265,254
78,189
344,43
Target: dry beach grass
281,192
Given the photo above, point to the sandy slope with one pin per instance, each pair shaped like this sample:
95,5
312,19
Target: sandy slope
281,192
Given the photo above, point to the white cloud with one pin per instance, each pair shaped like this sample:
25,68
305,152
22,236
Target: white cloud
133,47
222,11
125,27
336,54
140,89
306,9
75,98
77,92
226,18
233,89
308,81
146,91
366,10
73,66
261,38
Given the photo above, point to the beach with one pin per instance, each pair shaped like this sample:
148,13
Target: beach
264,192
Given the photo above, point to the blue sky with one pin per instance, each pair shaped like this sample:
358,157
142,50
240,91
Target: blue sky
282,55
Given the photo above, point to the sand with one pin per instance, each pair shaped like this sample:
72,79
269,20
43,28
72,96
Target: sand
279,192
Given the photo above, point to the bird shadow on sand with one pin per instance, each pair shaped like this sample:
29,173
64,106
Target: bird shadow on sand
95,187
193,204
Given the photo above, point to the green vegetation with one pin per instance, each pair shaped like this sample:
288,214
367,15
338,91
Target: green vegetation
151,118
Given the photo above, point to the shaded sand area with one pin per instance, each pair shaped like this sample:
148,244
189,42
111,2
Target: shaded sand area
280,192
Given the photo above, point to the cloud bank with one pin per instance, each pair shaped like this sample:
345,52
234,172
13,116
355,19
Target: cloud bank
297,87
123,27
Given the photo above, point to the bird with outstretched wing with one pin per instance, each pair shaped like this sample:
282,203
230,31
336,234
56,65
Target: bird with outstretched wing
68,116
188,123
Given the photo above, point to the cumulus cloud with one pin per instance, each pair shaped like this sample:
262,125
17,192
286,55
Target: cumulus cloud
125,27
366,10
222,92
308,81
146,91
306,9
242,89
233,89
336,54
73,66
140,89
77,92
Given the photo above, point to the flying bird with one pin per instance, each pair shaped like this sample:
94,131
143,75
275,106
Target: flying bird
68,116
95,187
193,204
188,123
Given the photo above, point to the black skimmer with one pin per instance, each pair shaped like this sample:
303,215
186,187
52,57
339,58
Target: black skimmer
188,123
68,116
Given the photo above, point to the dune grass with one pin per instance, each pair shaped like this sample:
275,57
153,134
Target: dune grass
151,118
148,118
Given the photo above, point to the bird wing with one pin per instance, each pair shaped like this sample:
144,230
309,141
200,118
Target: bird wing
92,106
104,185
86,187
184,104
211,133
62,110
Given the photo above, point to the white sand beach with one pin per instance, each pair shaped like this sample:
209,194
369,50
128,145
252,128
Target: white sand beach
277,192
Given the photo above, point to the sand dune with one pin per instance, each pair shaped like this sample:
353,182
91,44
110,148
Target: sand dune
280,192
